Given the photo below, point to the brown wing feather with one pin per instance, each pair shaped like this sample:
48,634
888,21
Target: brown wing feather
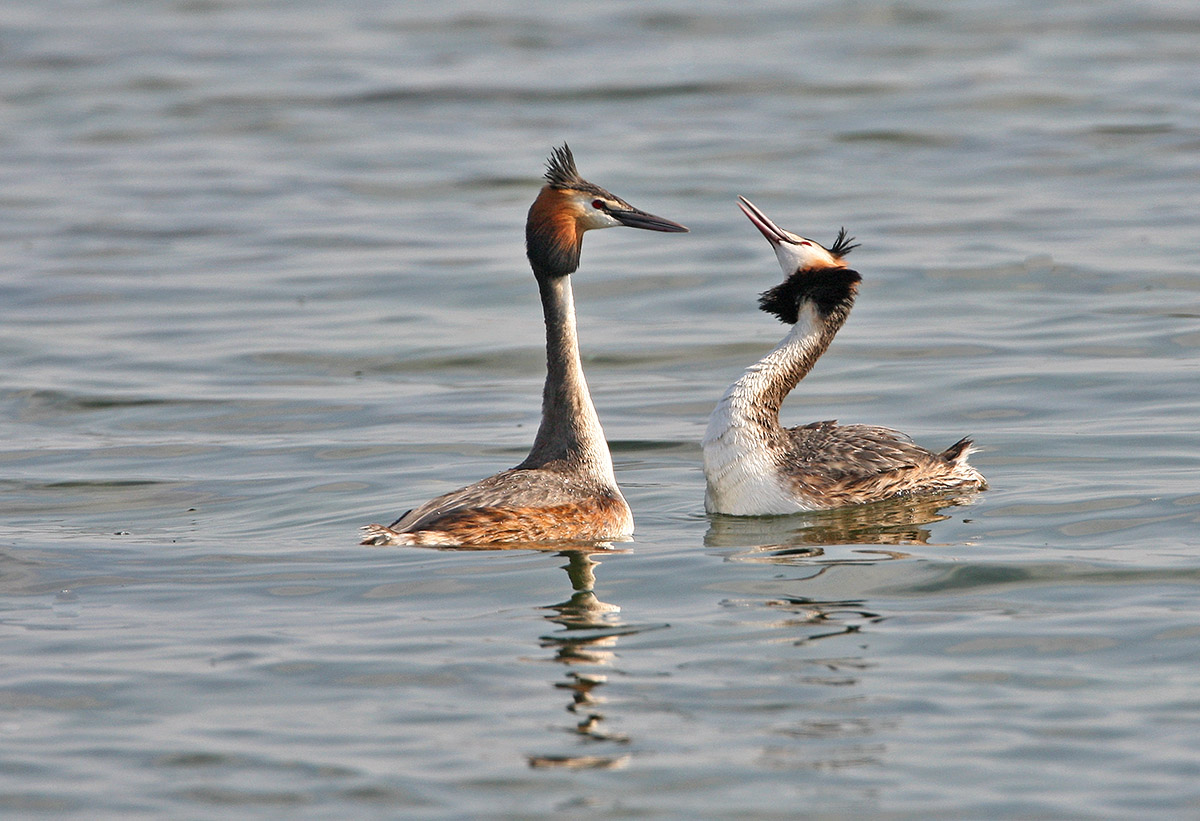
851,450
537,505
852,464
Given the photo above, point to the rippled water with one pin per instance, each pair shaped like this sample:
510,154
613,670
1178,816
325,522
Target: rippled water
263,282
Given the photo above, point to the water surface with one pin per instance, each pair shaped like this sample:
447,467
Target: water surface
263,283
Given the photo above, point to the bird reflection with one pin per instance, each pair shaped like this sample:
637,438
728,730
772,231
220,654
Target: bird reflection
813,619
821,542
591,630
807,535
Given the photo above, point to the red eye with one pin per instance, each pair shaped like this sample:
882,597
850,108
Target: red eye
598,204
806,244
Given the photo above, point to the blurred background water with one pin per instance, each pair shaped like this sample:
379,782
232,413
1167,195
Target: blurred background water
263,282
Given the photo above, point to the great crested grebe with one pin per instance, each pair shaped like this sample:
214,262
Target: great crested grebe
565,489
753,466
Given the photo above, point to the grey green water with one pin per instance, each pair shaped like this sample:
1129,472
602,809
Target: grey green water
263,282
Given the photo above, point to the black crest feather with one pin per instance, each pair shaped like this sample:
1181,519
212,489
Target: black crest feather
843,244
560,169
828,289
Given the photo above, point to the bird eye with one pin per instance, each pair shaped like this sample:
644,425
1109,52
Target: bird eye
806,244
598,205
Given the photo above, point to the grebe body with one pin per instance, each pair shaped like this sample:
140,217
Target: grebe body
755,467
565,490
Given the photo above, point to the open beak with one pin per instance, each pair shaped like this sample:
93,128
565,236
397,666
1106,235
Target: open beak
762,222
636,218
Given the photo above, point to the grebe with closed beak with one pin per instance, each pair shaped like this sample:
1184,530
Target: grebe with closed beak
755,467
565,490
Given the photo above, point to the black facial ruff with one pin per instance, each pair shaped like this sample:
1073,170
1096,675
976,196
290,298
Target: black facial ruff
828,289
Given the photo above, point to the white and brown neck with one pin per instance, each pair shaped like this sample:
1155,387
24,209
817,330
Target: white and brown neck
745,442
744,439
754,399
570,430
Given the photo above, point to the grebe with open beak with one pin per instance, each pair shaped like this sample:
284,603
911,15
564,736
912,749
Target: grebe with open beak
755,467
565,490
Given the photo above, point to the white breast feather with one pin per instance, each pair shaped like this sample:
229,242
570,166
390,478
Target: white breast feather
743,479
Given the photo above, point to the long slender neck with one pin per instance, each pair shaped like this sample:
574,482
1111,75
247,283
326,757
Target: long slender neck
570,429
756,397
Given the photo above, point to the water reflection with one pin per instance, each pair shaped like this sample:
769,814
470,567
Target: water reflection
804,536
809,600
591,630
821,542
813,619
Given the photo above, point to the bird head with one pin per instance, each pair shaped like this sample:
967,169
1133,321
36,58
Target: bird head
568,206
794,252
813,275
